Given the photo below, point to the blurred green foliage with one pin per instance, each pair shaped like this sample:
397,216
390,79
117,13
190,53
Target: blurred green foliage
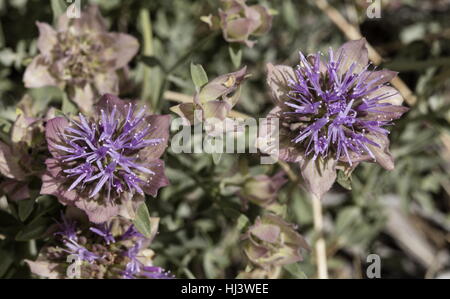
201,216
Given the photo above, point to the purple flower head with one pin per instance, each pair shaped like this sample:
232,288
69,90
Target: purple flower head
336,107
68,234
333,113
107,250
99,163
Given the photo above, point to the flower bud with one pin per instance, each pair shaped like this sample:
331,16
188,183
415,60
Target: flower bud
240,21
214,100
271,241
262,189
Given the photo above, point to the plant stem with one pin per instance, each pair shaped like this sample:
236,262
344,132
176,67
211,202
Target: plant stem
147,50
32,248
320,246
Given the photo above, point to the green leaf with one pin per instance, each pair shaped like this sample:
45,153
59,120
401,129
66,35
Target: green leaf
236,56
25,208
45,205
344,181
7,220
242,222
142,221
6,260
295,270
67,106
58,7
42,97
198,75
34,230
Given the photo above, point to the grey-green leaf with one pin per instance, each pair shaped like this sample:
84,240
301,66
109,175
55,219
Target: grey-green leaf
58,8
344,181
6,260
199,76
34,230
142,221
242,222
295,270
236,56
68,107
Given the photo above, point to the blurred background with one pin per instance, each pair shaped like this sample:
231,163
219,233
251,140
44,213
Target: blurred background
403,216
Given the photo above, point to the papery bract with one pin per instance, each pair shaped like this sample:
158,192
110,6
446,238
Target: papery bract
23,156
262,189
271,241
80,54
214,101
239,21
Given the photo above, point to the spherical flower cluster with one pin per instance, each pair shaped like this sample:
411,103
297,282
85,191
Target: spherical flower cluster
109,250
82,55
100,163
337,108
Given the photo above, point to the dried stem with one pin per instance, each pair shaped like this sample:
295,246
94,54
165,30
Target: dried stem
353,33
320,245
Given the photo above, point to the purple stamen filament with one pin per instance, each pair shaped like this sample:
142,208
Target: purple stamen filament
105,154
332,108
